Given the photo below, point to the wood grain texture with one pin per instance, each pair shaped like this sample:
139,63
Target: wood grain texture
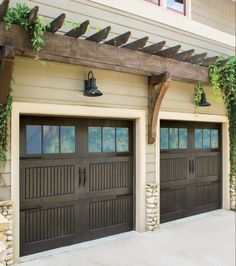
136,45
184,55
67,50
157,87
57,23
99,36
196,58
119,40
33,14
154,48
170,52
76,33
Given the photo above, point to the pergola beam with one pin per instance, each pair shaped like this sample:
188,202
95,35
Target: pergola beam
63,49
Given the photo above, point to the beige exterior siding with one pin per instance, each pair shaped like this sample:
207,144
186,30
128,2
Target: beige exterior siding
179,98
219,14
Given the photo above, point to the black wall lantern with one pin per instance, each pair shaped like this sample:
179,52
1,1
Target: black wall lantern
91,89
203,102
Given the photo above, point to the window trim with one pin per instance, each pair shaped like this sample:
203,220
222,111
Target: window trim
176,11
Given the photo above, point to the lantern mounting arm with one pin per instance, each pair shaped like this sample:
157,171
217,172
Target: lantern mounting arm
157,87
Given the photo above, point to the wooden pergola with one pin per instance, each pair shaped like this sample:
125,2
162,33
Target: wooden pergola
158,63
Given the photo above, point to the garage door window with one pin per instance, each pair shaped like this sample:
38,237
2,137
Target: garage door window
50,139
67,139
173,138
108,135
108,139
206,138
33,139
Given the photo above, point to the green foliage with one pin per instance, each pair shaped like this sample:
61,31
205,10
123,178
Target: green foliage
19,15
223,81
5,113
197,95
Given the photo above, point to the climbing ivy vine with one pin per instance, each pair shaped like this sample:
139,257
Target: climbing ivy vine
5,113
197,96
19,15
223,81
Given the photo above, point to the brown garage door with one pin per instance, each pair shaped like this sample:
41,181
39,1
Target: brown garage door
76,181
190,168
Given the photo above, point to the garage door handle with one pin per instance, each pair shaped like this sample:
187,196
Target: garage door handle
85,176
80,176
190,167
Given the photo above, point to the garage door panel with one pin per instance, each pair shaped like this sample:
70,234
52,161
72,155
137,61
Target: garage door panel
173,169
207,166
49,223
43,227
173,201
207,194
110,212
110,175
50,181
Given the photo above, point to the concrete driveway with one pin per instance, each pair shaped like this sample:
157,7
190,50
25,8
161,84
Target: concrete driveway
202,240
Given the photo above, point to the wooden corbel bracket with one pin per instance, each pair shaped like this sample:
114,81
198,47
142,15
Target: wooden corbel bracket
7,56
157,87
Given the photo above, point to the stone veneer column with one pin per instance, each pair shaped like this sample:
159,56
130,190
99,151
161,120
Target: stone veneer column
4,226
233,193
152,215
6,239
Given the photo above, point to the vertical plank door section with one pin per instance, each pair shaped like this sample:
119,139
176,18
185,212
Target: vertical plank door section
68,193
190,169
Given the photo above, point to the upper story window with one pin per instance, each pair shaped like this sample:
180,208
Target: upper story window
177,5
